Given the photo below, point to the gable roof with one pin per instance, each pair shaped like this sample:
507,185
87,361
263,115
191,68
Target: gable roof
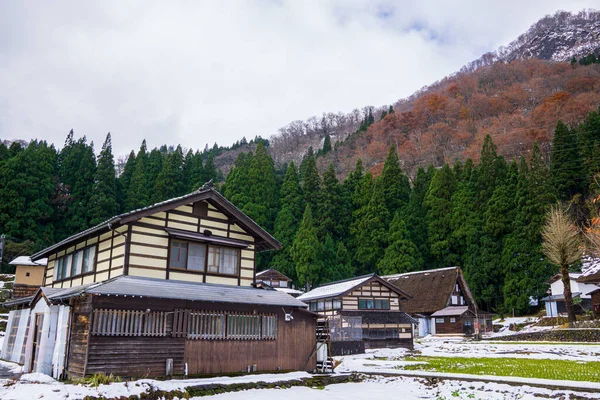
338,288
168,289
430,289
271,273
572,275
264,242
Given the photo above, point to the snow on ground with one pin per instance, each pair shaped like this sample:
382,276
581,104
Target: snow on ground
405,389
36,386
444,347
379,361
506,322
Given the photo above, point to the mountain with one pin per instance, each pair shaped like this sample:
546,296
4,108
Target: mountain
557,37
516,94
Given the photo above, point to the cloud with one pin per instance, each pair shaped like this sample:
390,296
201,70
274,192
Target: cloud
198,72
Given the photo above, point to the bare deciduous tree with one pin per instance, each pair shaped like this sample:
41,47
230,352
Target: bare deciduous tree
562,246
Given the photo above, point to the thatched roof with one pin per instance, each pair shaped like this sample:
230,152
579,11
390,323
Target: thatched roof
430,289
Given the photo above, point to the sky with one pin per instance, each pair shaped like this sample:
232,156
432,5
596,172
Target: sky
203,72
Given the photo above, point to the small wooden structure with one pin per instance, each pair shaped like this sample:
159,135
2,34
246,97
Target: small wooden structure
276,280
29,275
368,302
442,302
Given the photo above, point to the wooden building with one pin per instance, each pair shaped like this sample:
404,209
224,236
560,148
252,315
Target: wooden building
164,290
441,301
363,312
29,275
591,278
278,281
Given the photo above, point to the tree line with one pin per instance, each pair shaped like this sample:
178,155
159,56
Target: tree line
47,195
486,217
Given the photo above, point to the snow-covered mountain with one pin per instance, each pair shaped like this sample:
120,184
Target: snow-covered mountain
557,37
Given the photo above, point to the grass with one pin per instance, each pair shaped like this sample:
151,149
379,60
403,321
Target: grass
526,368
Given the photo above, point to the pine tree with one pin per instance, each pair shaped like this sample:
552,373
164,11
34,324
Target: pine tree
154,166
311,182
589,132
415,211
402,255
438,202
27,192
138,192
326,145
395,185
330,202
124,180
103,202
262,189
371,233
77,166
236,188
306,252
169,182
567,164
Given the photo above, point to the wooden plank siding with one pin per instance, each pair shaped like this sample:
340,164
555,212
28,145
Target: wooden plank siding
141,248
79,336
139,356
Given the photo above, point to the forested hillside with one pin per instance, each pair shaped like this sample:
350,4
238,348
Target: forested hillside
485,216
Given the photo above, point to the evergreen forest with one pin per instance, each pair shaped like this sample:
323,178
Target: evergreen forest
486,217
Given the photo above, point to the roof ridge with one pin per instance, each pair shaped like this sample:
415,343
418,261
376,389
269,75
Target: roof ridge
419,272
346,280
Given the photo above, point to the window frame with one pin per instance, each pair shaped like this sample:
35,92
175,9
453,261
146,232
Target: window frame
375,303
206,269
440,320
64,264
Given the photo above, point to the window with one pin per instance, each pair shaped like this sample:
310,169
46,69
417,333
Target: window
337,304
179,252
282,283
201,257
313,306
373,304
224,325
196,255
27,274
129,323
452,320
439,320
74,264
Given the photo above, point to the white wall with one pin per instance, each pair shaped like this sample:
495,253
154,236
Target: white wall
557,288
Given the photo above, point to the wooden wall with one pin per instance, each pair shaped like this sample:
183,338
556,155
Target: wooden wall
79,336
149,249
452,327
295,342
129,356
374,290
109,259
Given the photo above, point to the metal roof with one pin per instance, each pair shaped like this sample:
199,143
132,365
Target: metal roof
171,289
381,317
334,288
450,311
560,297
180,290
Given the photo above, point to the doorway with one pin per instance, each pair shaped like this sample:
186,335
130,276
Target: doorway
37,338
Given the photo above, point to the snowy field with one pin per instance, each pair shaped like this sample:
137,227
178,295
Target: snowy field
381,361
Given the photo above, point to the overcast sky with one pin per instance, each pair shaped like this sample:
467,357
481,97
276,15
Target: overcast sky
198,72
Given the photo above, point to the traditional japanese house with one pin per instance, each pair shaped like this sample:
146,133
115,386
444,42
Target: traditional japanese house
555,302
363,312
441,301
164,290
278,281
590,277
29,275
